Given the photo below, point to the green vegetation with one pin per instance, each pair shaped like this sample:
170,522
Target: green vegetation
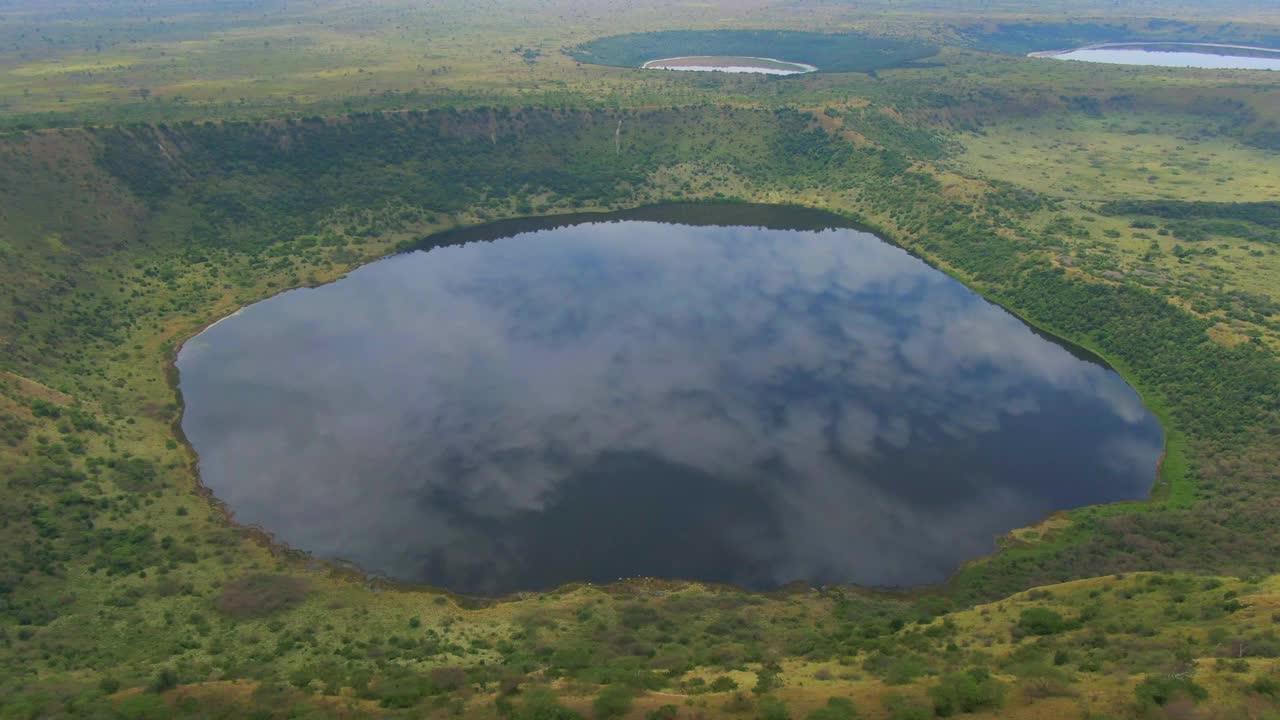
1041,621
1266,214
124,592
966,692
1161,691
1101,153
614,701
846,52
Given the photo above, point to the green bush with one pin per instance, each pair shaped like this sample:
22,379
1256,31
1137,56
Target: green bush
724,683
837,708
1158,691
613,702
166,679
904,670
541,704
401,692
1269,686
767,679
665,712
771,708
1041,621
966,692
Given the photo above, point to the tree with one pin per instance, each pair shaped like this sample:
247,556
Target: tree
541,704
1041,621
613,702
767,678
1159,691
966,692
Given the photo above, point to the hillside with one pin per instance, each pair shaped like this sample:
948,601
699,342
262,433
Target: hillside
125,591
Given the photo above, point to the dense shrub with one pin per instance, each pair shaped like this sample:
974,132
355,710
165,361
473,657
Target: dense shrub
1263,213
837,708
664,712
541,704
613,702
260,594
904,670
771,708
724,683
1269,686
403,690
767,679
1041,621
135,474
166,679
1159,691
966,692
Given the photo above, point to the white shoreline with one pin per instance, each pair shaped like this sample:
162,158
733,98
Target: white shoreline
1104,46
806,68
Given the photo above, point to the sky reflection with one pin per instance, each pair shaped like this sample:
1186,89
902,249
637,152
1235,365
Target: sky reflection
604,400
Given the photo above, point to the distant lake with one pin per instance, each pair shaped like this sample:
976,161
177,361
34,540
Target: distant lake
1190,55
741,394
729,64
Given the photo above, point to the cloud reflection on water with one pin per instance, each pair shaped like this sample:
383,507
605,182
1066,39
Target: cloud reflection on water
727,403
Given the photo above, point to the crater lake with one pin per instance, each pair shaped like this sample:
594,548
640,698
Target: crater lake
735,394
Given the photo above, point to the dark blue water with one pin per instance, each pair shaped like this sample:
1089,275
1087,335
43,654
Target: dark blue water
723,402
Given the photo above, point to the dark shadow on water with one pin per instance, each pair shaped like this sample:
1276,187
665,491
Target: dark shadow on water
772,217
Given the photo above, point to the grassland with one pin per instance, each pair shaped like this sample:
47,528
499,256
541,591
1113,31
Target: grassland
124,592
1132,155
1085,160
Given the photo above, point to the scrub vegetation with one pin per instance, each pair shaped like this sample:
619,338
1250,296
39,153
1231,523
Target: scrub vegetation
130,220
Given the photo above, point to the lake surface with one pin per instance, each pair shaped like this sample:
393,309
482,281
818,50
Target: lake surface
1205,57
737,394
730,64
